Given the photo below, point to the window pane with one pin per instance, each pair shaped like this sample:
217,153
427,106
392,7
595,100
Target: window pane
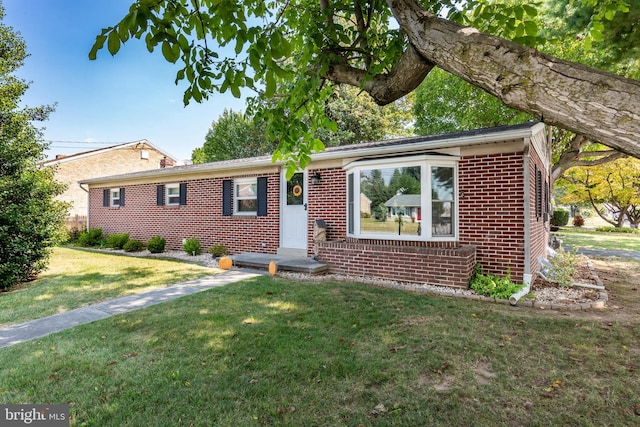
115,197
247,190
390,201
442,223
295,189
247,205
442,183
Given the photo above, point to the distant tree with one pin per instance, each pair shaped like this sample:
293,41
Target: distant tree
30,218
613,189
445,103
237,135
233,136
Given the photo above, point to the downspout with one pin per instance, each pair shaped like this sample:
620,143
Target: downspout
86,190
526,161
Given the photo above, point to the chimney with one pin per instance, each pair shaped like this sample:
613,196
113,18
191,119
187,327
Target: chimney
164,162
60,156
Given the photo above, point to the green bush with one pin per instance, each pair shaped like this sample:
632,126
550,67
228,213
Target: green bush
218,250
578,221
156,245
560,217
612,229
117,240
192,246
91,238
493,286
133,245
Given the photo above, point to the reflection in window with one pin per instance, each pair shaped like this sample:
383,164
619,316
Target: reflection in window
390,201
442,191
246,195
173,194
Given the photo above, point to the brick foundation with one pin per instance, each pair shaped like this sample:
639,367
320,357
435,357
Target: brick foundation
442,266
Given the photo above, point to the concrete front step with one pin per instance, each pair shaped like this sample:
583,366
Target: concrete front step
283,263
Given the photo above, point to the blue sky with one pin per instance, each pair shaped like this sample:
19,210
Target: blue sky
124,98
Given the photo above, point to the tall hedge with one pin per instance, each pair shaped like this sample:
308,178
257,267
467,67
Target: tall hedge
30,219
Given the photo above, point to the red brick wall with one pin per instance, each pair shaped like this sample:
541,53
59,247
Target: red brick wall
328,201
492,211
201,217
491,223
413,264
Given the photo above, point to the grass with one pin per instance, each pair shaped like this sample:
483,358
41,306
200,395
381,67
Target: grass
588,238
270,351
76,278
371,225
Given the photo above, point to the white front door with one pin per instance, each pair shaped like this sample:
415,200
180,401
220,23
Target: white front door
293,212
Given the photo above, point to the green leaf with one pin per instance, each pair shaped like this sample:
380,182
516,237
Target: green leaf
531,11
531,28
97,46
113,42
170,52
270,89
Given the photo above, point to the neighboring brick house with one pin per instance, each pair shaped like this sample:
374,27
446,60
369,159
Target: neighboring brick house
478,196
118,159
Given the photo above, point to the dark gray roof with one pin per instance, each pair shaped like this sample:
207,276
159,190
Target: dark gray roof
476,136
403,200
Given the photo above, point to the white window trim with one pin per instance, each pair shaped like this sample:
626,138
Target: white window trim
112,199
167,187
236,198
426,162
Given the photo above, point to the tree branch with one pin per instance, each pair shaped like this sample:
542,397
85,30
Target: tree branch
601,106
404,77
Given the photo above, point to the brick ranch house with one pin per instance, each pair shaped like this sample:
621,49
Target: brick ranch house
477,196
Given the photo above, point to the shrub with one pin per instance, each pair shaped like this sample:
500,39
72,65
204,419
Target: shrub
560,217
218,250
191,246
493,286
563,267
117,240
91,238
133,245
578,221
611,229
156,244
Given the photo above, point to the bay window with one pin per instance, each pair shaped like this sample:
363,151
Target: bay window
411,198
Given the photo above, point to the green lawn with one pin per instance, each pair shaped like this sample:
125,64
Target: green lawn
270,351
371,225
77,277
586,238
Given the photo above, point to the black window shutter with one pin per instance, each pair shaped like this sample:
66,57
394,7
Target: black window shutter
122,196
105,197
227,186
183,193
262,196
160,195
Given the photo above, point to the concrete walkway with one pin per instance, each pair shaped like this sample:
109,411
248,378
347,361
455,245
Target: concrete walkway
15,334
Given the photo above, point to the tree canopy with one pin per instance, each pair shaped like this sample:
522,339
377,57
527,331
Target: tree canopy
237,135
288,52
30,219
613,189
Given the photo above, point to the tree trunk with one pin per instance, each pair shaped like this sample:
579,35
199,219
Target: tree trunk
601,106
